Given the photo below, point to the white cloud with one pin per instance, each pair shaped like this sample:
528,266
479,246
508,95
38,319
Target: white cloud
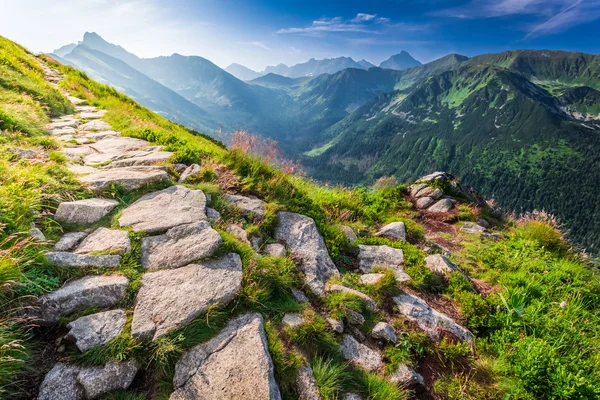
363,17
362,23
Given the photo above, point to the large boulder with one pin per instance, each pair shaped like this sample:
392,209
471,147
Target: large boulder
85,211
393,231
170,299
61,384
359,354
105,240
180,246
130,178
442,206
96,329
370,257
72,260
159,211
89,291
430,320
235,364
301,235
249,205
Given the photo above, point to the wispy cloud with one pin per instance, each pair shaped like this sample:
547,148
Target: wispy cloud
361,23
261,45
551,16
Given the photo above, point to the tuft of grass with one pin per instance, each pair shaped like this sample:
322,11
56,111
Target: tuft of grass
286,362
331,376
314,336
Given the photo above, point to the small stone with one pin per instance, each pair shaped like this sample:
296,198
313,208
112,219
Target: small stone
299,296
130,178
180,246
484,223
85,211
239,233
349,232
96,125
159,211
92,115
96,329
442,206
352,396
471,227
384,331
307,384
256,241
213,215
393,231
370,257
69,241
425,202
189,172
354,317
248,205
179,168
97,381
336,324
72,260
105,240
37,234
440,264
406,376
275,250
292,320
360,354
371,279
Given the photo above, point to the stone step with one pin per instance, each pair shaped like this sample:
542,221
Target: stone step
85,211
130,178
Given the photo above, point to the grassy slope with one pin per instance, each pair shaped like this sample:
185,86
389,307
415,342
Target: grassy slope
527,343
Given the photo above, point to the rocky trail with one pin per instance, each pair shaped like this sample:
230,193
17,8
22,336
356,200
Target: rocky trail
185,275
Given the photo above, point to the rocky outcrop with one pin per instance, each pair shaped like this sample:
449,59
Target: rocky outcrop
90,291
301,235
250,206
105,240
393,231
370,257
159,211
235,364
96,329
130,178
359,354
170,299
180,246
430,320
72,260
85,211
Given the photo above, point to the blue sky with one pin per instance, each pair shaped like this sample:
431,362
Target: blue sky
257,33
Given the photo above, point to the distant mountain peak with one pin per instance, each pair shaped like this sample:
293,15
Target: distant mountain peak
400,61
242,72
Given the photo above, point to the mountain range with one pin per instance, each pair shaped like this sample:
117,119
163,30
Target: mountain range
524,126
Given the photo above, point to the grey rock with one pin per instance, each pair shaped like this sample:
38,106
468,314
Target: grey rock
180,246
119,145
255,241
96,136
371,279
99,291
130,178
96,329
170,299
360,354
484,223
369,302
406,376
248,205
105,240
436,176
69,241
349,232
67,130
442,206
213,215
235,364
239,233
37,234
97,381
61,384
352,396
85,211
301,235
159,157
81,169
370,257
430,320
27,154
493,236
86,108
72,260
430,191
95,126
425,202
336,324
354,317
307,384
299,296
292,320
393,231
63,123
384,331
75,100
179,168
415,189
159,211
440,264
275,250
92,115
471,227
190,171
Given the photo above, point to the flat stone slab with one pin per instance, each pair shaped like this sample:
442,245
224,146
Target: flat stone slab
92,114
72,260
130,178
159,157
170,299
101,135
235,364
100,291
159,211
370,257
301,235
69,241
442,206
81,169
430,320
249,205
119,145
471,227
393,231
95,125
96,329
180,246
359,354
67,130
63,123
86,108
70,382
85,211
105,240
77,153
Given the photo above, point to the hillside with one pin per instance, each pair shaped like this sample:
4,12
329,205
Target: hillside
242,72
197,263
